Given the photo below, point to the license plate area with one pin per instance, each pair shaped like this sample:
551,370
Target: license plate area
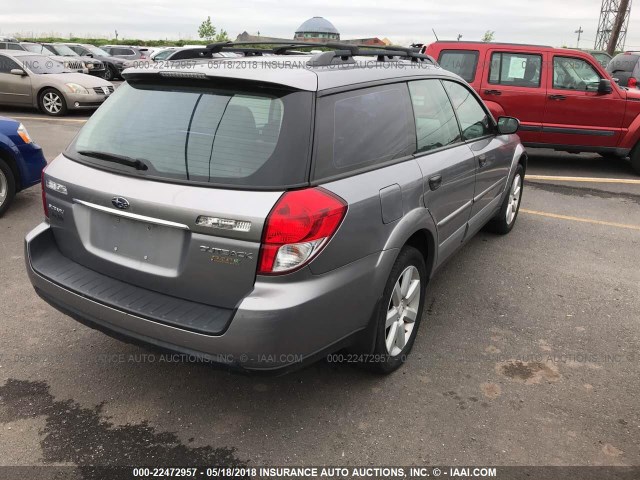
138,241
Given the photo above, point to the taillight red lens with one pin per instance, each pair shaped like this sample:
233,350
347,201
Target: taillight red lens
633,82
44,194
298,227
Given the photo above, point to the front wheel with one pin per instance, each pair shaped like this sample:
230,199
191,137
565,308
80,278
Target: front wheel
505,219
52,102
7,186
400,311
109,73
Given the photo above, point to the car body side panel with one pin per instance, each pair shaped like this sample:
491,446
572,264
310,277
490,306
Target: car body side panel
363,231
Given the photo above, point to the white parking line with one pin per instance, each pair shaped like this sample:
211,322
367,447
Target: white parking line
49,119
582,179
580,219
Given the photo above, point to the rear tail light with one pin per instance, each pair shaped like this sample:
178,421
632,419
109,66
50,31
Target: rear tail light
297,229
633,82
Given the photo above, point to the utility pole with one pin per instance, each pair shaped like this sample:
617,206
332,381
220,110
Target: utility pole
579,32
617,26
459,36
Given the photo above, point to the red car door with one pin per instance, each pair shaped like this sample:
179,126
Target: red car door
515,81
575,113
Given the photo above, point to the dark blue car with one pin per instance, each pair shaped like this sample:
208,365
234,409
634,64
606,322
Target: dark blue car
21,161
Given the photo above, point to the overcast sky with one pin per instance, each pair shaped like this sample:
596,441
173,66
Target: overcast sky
543,21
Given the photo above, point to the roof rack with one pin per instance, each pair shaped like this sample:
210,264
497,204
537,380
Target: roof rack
337,52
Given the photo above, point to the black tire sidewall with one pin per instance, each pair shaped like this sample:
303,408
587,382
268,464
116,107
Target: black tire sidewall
109,73
499,223
11,186
635,159
62,111
382,361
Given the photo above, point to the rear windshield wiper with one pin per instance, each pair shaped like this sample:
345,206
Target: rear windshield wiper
112,157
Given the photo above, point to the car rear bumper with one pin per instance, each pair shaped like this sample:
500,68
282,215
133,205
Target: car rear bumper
278,325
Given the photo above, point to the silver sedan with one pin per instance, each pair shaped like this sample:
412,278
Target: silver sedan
30,79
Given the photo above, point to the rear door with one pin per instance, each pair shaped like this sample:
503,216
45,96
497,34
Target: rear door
492,159
516,83
575,113
14,89
448,165
190,225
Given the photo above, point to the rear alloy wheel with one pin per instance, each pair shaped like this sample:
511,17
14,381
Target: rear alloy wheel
400,312
52,102
7,186
504,221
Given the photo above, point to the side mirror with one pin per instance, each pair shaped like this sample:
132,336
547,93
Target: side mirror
508,125
18,71
604,87
89,54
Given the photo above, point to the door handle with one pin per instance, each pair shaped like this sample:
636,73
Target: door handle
435,182
493,92
557,97
482,160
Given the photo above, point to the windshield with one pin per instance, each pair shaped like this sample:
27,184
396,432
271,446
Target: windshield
230,137
64,51
97,51
42,65
163,55
35,48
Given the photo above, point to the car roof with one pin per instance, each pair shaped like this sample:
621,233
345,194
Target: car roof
294,71
22,53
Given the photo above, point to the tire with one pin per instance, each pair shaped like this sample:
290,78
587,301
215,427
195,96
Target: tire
505,219
391,351
52,102
109,73
635,159
7,186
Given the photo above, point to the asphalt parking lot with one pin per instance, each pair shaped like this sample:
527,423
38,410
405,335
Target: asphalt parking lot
528,354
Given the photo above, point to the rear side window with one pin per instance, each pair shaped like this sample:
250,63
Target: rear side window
460,62
474,120
515,69
436,124
362,128
229,137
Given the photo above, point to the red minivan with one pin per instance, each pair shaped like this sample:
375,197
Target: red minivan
563,98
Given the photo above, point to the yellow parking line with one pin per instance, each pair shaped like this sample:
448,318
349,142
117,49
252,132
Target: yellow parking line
578,219
583,179
49,119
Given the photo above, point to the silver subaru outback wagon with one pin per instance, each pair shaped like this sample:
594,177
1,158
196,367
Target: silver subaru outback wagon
264,215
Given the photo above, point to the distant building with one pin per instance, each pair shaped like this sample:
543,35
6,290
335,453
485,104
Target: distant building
317,29
374,41
245,37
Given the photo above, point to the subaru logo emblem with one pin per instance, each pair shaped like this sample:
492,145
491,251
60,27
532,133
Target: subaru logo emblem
120,202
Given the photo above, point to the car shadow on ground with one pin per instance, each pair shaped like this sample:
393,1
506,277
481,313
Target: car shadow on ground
550,162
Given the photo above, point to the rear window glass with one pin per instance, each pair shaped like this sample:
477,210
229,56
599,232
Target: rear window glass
460,62
623,63
220,136
363,128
